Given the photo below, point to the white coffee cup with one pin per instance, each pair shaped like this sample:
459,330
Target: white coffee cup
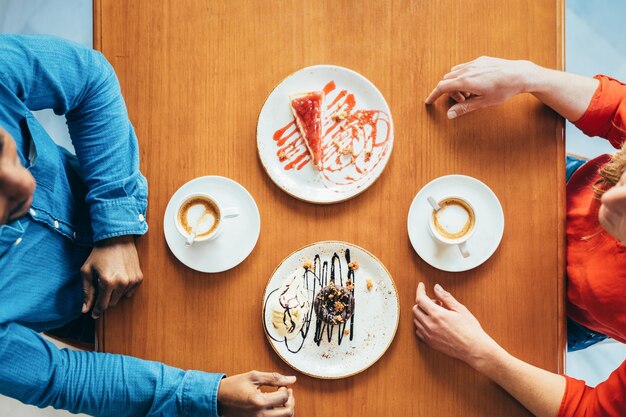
453,221
199,217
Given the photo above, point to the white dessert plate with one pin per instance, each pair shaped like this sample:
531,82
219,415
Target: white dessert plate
239,234
356,149
489,223
353,346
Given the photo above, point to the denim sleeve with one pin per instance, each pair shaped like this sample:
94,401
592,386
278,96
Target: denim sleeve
35,372
48,72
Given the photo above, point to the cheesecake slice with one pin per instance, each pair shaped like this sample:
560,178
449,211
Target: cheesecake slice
307,109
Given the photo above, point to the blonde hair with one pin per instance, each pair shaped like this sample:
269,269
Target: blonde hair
611,173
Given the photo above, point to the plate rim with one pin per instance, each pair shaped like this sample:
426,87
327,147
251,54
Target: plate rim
385,163
466,177
221,178
324,242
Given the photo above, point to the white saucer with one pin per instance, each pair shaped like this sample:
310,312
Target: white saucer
489,223
238,237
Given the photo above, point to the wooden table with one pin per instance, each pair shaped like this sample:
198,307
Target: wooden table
195,74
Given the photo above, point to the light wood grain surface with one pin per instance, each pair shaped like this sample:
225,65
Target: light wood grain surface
195,74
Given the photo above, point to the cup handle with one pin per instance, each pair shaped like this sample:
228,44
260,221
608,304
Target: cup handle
463,248
229,212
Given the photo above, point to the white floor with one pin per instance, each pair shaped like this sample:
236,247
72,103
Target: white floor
595,44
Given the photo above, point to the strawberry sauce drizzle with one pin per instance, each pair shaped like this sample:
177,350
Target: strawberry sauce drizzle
350,142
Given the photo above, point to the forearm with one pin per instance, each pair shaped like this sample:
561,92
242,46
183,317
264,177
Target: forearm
567,94
538,390
35,372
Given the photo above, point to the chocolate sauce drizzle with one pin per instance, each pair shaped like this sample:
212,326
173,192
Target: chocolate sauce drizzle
314,280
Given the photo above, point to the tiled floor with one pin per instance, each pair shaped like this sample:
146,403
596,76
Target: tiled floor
595,34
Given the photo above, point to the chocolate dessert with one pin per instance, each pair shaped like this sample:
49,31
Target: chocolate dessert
334,304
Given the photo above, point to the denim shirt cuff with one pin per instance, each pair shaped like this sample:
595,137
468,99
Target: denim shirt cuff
200,394
119,217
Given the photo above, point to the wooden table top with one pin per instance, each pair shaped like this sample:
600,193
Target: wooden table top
195,75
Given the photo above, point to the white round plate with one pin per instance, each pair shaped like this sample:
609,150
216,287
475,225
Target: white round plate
371,328
368,131
239,234
489,223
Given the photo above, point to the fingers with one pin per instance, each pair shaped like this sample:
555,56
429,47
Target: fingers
467,106
88,289
116,295
419,330
131,291
285,409
103,300
423,301
447,299
279,412
459,66
457,96
445,87
273,379
291,401
277,398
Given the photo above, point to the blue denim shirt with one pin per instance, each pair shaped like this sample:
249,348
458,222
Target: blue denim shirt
97,194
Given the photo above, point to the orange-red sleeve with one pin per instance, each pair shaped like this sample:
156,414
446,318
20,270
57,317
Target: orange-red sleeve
608,399
606,114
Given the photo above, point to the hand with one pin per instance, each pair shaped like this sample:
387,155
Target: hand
481,83
240,395
114,264
612,214
450,327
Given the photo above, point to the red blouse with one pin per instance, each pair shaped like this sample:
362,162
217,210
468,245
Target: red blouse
596,261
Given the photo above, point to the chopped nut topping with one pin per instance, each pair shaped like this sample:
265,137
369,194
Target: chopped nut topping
338,306
369,284
295,313
339,319
331,296
308,265
350,285
368,156
346,332
354,265
282,155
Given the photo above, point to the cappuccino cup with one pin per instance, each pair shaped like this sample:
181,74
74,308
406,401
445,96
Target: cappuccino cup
453,221
200,217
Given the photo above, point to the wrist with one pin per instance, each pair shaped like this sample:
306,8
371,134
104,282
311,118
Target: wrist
533,77
488,358
116,240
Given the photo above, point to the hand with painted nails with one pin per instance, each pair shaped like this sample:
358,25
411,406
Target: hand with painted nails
111,272
483,82
449,327
241,396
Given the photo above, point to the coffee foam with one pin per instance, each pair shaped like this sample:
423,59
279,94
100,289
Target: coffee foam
455,218
199,215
